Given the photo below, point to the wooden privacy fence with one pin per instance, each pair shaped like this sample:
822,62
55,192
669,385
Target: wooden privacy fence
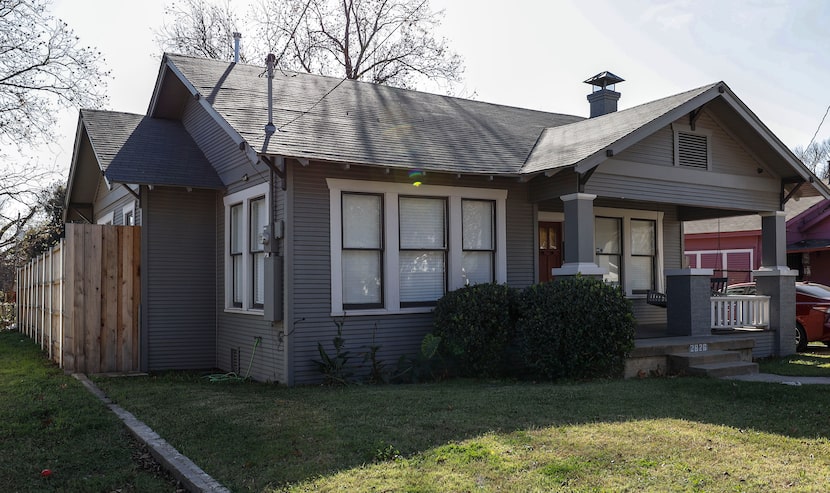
80,300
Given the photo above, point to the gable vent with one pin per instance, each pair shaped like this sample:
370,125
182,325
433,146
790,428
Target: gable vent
692,150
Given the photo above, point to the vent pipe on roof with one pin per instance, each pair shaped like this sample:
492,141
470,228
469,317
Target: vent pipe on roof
603,100
236,37
270,63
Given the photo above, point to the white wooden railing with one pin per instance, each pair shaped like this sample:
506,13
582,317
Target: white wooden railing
729,312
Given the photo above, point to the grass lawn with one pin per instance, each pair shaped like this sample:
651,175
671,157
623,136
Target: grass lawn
662,434
49,421
815,362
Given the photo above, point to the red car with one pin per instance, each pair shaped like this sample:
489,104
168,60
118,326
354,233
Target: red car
812,302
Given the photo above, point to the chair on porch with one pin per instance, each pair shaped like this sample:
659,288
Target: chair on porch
718,287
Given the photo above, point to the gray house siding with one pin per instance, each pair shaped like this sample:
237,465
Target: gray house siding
646,171
113,200
224,154
236,333
179,271
310,278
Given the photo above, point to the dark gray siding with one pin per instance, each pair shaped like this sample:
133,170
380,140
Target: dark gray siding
310,283
224,154
234,331
180,272
724,185
238,332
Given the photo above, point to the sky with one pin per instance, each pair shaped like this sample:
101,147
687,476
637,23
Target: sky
535,54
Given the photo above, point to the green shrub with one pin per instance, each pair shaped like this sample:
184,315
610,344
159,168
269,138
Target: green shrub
475,324
574,328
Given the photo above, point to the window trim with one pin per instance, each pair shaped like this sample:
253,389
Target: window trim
128,208
626,215
244,197
106,219
391,280
677,129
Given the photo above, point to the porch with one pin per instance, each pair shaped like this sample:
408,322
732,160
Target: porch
739,332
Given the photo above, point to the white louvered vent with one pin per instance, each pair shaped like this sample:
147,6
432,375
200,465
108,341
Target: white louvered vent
692,150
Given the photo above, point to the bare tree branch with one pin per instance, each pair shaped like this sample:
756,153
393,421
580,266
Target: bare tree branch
382,41
816,157
42,66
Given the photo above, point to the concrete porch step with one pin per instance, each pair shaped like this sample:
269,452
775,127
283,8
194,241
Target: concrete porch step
681,361
724,369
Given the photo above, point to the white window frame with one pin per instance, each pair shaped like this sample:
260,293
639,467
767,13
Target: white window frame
243,197
626,215
391,280
677,128
130,207
106,219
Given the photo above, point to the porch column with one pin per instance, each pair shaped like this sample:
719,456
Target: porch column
688,302
579,237
774,241
776,280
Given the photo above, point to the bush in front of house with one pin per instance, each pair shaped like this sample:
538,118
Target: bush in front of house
574,328
475,324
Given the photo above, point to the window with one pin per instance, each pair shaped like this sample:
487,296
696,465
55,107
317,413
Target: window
607,235
628,246
399,248
691,148
258,219
246,216
362,250
423,249
643,252
128,214
106,219
477,241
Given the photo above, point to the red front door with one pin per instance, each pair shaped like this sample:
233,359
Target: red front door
550,249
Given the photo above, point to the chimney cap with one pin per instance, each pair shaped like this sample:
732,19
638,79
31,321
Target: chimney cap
604,79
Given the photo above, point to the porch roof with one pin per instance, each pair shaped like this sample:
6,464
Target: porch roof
140,150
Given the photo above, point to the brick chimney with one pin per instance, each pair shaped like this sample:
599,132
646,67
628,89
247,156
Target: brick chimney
604,98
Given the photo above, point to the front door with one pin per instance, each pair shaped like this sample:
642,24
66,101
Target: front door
550,249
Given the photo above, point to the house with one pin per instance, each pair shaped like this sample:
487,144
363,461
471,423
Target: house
731,246
274,205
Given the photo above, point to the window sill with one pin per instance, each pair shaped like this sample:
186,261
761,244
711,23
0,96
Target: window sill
382,311
242,311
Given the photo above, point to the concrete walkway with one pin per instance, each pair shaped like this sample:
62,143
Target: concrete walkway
769,377
191,476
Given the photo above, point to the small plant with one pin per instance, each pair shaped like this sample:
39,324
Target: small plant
385,452
376,366
423,366
333,368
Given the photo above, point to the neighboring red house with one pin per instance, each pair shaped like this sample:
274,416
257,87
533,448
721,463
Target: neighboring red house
732,245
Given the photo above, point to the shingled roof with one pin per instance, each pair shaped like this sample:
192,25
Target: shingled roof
345,121
331,119
568,145
137,149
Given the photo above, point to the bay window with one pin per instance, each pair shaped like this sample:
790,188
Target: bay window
399,248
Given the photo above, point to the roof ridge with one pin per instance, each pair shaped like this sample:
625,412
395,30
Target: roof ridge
172,56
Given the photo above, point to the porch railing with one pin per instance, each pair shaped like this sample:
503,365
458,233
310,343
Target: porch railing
730,312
